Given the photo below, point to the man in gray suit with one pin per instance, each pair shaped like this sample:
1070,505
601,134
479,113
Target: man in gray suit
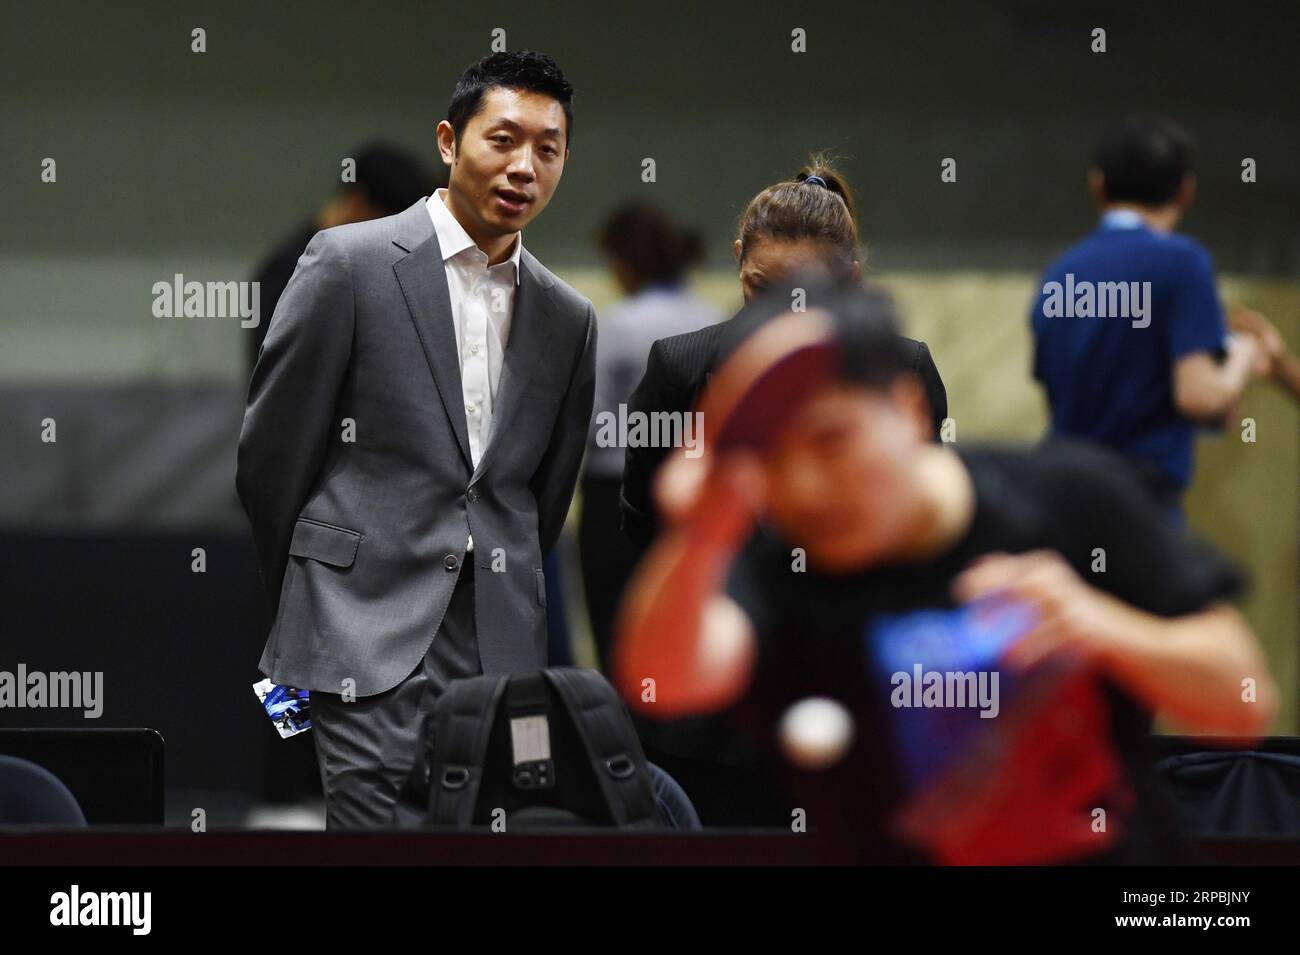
415,424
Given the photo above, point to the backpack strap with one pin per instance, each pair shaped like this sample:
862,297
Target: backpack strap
457,742
611,743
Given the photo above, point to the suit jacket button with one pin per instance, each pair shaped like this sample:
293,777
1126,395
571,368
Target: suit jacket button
472,494
450,562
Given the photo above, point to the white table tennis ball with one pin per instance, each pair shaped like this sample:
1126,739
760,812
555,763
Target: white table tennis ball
816,733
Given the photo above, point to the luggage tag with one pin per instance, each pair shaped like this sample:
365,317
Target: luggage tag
288,708
530,740
527,703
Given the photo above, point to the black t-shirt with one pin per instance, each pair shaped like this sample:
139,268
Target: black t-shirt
1062,496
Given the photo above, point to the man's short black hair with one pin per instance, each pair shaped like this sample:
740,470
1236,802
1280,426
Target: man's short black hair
518,70
1144,159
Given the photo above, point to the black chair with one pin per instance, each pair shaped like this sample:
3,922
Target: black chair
672,799
33,796
1226,791
115,775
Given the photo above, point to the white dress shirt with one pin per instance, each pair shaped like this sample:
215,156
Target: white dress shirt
482,308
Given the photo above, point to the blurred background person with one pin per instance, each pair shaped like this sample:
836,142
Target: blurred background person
388,180
649,255
1141,383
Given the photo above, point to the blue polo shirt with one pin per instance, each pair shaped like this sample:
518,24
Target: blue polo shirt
1111,317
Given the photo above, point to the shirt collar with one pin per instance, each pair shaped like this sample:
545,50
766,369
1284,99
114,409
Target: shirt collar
452,237
1122,219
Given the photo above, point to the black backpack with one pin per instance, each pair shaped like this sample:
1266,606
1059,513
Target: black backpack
554,748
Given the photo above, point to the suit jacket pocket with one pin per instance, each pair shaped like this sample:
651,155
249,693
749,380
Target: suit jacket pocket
332,545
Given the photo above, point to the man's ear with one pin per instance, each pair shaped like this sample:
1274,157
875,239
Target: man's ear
1186,191
736,250
446,136
1097,186
357,208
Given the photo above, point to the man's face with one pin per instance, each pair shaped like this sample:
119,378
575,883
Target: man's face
508,163
840,478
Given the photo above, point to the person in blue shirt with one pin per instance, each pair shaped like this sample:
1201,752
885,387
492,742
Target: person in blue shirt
649,256
1130,339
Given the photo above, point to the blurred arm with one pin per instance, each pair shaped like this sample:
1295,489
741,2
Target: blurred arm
676,627
1190,667
1204,390
1282,365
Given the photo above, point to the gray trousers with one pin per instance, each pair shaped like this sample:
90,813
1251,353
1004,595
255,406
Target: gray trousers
367,747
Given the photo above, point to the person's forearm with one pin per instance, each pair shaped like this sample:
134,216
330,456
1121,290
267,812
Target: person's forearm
663,613
1206,392
1287,374
662,621
1190,668
1234,376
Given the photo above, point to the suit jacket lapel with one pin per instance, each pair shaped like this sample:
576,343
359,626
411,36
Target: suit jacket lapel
423,281
526,345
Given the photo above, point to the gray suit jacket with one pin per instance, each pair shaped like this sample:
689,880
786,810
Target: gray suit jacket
360,524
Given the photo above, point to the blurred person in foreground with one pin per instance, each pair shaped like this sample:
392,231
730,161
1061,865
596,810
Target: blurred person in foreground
648,255
1130,341
807,223
816,443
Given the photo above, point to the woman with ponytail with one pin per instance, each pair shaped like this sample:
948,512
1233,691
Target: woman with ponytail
805,224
